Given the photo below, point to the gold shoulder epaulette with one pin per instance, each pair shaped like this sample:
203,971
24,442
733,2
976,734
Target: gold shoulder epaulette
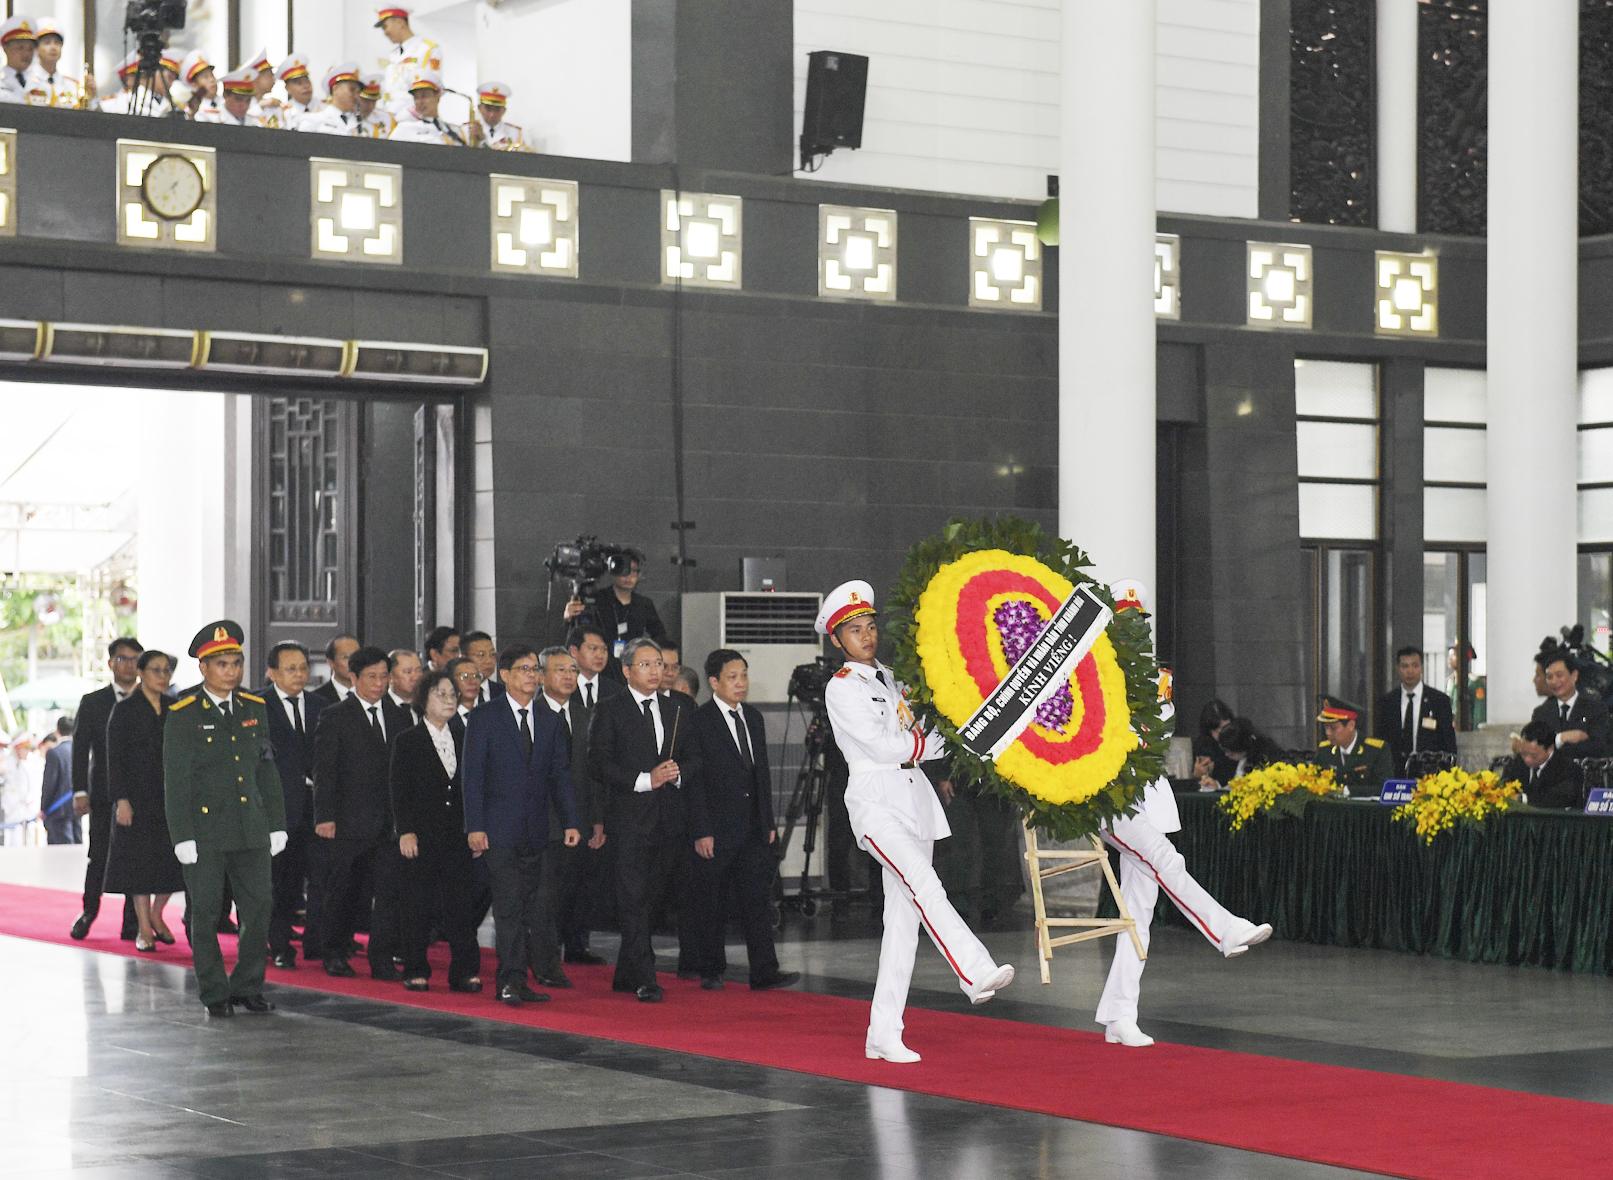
1324,745
1376,743
182,703
246,696
843,672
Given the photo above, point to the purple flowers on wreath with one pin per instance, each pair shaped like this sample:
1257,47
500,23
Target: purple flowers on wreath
1020,625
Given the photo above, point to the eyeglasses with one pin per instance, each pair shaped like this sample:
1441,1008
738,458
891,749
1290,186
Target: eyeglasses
471,674
125,659
525,669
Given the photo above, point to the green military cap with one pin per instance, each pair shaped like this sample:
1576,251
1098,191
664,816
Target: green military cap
1335,709
217,638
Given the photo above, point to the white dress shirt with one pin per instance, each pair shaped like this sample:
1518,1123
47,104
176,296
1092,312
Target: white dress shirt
558,707
729,713
642,783
443,739
291,717
1416,697
588,689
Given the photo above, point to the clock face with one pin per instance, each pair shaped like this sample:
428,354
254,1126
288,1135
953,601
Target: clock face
172,187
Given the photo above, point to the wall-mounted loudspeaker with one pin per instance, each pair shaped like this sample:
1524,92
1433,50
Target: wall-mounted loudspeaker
837,85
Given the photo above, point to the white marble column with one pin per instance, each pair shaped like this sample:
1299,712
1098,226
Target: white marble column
1106,302
1533,254
1397,115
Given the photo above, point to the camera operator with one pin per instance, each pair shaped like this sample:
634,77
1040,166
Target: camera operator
623,614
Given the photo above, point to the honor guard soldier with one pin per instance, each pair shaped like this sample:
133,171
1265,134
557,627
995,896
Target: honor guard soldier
128,72
18,41
61,89
239,87
300,100
896,818
491,128
340,114
1361,764
265,107
378,121
226,815
421,124
197,73
410,55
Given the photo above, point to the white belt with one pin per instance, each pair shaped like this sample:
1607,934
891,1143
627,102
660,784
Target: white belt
861,767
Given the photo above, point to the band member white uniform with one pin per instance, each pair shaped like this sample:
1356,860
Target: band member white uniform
197,73
422,124
491,127
61,88
18,82
340,114
300,100
378,121
411,54
896,819
1149,862
235,107
265,107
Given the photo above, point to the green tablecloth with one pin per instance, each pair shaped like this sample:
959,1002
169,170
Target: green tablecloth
1529,887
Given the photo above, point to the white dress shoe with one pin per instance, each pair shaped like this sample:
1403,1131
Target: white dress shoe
897,1054
991,984
1126,1032
1242,936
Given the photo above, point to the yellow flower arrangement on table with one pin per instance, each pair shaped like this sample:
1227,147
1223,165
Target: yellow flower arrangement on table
973,601
1281,787
1441,801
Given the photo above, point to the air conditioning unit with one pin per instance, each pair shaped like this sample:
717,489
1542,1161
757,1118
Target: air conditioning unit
138,348
21,340
435,364
773,631
283,356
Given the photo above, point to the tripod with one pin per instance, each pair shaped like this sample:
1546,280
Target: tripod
806,805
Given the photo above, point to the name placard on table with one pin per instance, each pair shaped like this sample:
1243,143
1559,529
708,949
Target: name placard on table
1599,801
1397,791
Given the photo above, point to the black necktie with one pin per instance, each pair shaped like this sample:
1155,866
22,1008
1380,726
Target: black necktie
22,81
588,695
1408,730
296,714
649,719
375,723
1562,708
526,733
879,675
743,736
224,708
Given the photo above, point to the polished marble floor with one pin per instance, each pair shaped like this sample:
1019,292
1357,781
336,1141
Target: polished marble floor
111,1069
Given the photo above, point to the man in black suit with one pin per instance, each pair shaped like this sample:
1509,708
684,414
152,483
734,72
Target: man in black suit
56,791
597,895
340,685
730,809
517,783
1416,717
477,647
640,752
1548,777
404,683
353,822
293,718
90,794
1579,719
443,643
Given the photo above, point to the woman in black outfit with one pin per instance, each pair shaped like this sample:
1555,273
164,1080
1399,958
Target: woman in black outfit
1211,761
140,862
429,810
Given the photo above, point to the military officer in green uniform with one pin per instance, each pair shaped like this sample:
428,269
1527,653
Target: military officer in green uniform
1361,764
226,815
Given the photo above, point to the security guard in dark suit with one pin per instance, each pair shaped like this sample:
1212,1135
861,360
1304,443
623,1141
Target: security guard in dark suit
1361,764
226,815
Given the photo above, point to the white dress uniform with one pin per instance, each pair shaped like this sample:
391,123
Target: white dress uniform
331,121
413,129
505,136
403,65
897,818
1149,862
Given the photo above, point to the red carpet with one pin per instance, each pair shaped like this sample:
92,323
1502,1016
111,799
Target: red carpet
1403,1126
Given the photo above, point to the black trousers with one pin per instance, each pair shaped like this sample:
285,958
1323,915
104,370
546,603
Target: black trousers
101,821
646,873
290,872
738,880
352,868
438,886
579,880
518,935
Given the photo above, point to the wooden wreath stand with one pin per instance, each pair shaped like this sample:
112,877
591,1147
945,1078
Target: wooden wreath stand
1070,860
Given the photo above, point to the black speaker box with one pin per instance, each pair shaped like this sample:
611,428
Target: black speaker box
837,84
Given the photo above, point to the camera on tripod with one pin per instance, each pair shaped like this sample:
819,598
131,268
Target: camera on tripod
149,22
584,561
808,681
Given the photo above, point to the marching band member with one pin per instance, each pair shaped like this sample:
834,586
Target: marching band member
18,83
1149,862
340,114
197,73
489,127
61,89
421,124
897,819
300,100
378,121
411,55
128,73
265,107
235,110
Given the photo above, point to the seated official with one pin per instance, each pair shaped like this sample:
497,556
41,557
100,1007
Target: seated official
429,809
1362,765
1548,775
1245,748
1579,720
1414,717
1212,764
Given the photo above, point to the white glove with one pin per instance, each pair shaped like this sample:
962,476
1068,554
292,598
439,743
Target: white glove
185,852
935,746
277,843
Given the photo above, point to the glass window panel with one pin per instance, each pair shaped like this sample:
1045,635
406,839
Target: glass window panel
1478,615
1337,450
1596,456
1596,598
1454,514
1596,395
1454,395
1453,455
1347,630
1441,614
1348,511
1595,515
1335,389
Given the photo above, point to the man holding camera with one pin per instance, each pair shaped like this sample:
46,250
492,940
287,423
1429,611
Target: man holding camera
623,614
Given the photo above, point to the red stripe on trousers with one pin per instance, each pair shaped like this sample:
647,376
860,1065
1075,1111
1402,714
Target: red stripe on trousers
1143,860
923,917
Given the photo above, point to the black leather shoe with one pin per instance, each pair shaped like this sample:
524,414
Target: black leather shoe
711,984
416,985
530,996
558,982
511,996
586,958
340,968
165,939
650,994
256,1005
782,979
81,928
469,986
285,960
223,1008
